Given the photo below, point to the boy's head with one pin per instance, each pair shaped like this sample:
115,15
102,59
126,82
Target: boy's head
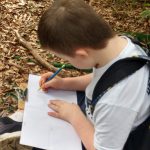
70,25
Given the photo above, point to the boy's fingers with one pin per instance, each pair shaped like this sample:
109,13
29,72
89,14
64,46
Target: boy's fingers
44,77
46,85
42,80
54,114
56,102
54,106
45,90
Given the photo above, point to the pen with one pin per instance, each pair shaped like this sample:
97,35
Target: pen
54,74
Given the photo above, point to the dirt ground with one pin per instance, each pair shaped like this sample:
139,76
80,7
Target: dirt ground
17,62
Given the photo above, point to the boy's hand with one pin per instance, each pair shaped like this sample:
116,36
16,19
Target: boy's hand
63,110
55,83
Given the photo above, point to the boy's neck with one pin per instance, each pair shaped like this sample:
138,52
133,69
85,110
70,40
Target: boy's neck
111,51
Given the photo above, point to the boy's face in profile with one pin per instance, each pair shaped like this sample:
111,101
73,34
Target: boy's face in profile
81,59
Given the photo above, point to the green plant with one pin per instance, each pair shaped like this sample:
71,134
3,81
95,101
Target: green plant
69,66
142,37
145,14
146,4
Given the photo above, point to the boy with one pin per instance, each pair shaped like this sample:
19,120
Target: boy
71,30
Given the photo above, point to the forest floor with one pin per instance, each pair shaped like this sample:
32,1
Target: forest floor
17,62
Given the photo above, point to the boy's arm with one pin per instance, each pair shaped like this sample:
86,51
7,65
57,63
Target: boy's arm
70,83
85,130
72,113
77,83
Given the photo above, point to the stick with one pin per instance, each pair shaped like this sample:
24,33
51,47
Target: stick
35,54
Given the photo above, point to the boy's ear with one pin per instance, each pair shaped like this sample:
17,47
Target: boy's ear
81,52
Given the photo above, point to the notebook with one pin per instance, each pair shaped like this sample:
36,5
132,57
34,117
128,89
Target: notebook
43,131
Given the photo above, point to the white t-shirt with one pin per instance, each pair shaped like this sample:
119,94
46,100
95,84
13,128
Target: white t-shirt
123,107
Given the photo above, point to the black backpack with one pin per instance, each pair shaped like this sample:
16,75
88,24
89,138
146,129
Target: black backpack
139,139
115,73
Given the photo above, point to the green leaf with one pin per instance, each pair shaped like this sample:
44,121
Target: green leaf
69,66
142,37
31,60
12,94
11,109
17,57
146,4
145,14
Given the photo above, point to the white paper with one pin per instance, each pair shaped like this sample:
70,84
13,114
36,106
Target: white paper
43,131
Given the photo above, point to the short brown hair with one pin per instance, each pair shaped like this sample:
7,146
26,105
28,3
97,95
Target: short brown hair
72,24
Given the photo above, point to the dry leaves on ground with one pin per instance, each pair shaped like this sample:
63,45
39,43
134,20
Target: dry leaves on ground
16,62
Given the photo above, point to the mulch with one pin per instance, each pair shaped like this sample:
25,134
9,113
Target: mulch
16,62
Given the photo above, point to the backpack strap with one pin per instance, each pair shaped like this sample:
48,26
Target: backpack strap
138,139
115,73
7,125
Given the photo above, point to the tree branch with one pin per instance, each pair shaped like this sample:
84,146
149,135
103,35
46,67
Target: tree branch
35,54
